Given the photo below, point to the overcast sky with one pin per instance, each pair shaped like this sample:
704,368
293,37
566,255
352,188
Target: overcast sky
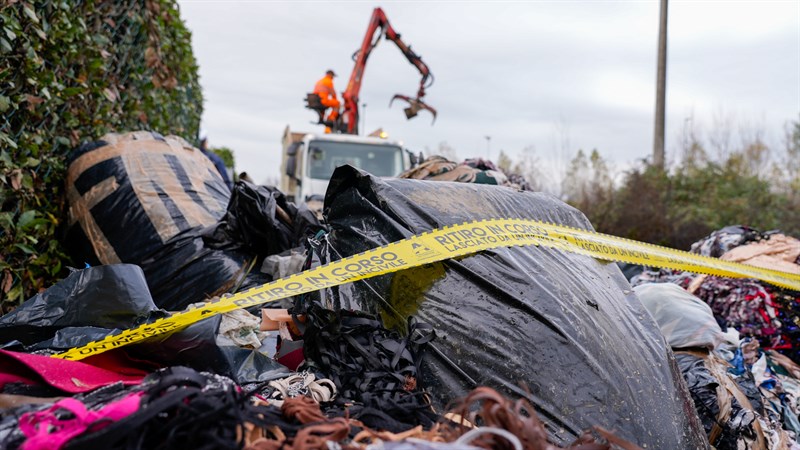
552,75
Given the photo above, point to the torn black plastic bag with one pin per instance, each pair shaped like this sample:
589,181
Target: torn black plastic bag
95,302
260,220
737,428
196,347
566,326
104,297
144,199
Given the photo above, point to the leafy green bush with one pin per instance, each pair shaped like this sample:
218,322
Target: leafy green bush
71,71
679,207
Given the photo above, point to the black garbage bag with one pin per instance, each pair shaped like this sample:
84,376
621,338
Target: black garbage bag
196,347
736,427
104,297
262,221
95,302
144,199
563,330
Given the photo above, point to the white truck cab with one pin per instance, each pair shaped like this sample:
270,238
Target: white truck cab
309,159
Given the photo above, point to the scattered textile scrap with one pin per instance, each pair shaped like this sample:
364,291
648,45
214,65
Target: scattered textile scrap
476,170
178,407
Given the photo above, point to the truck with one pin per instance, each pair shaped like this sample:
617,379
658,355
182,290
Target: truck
309,159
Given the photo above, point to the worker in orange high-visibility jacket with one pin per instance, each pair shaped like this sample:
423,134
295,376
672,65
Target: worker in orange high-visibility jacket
327,95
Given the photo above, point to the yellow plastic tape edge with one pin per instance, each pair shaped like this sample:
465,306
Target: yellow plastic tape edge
437,245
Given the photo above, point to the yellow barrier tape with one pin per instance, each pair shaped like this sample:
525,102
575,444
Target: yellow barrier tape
437,245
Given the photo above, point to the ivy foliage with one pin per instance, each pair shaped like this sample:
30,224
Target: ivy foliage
71,71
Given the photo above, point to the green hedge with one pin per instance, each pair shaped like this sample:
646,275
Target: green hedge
71,71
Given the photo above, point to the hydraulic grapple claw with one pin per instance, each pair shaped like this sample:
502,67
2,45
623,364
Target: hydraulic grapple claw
415,105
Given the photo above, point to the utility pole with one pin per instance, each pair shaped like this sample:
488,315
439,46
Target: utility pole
488,147
661,90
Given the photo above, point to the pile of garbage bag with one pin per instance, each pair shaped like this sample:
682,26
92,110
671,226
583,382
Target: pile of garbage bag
157,202
142,396
95,302
520,347
505,349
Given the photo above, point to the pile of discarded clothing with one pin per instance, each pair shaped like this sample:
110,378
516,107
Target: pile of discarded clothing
474,170
745,381
179,407
535,347
754,308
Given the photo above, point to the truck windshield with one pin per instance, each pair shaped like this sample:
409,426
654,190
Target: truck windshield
379,160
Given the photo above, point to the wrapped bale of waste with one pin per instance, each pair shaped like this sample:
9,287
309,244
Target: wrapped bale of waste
142,198
145,199
564,331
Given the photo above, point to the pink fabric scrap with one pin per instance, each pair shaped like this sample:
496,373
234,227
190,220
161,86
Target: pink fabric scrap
69,376
46,431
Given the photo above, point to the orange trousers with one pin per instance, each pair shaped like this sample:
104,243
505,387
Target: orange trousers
333,104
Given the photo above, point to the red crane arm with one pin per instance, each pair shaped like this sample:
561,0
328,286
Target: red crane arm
350,95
